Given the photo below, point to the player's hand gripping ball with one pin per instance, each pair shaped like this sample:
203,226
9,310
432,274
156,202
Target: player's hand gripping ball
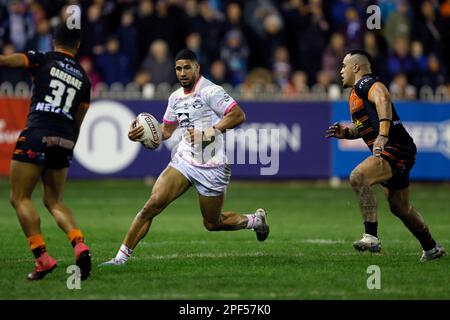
152,137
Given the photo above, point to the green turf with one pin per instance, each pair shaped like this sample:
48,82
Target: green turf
308,255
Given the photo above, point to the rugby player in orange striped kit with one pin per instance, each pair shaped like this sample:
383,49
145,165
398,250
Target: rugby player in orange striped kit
44,149
375,120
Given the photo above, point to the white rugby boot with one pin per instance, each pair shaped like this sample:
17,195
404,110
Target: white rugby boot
113,262
368,242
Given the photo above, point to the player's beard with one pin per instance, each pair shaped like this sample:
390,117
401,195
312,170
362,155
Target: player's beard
188,85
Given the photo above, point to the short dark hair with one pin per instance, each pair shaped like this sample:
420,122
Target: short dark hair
186,54
66,37
361,52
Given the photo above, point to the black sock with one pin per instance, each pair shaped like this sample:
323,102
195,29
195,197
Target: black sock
426,240
371,228
38,251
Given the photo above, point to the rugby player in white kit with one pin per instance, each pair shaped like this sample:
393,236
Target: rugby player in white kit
203,111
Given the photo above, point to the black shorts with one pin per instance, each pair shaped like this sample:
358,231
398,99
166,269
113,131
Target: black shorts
44,147
402,159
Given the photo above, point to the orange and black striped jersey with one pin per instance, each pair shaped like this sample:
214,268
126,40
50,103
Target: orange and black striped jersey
60,86
365,117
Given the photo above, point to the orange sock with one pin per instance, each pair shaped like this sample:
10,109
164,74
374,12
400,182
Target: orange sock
37,244
75,236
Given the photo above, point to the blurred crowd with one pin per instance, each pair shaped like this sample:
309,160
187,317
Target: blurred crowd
293,45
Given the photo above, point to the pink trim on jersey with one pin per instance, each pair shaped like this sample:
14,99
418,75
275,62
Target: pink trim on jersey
193,88
169,122
230,107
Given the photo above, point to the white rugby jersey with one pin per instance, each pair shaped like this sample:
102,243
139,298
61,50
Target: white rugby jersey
200,109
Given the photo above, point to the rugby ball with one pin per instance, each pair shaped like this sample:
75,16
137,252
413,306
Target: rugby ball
152,137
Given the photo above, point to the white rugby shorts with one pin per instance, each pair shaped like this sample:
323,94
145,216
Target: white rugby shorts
209,181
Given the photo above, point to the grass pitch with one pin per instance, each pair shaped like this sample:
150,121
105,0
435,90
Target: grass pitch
308,254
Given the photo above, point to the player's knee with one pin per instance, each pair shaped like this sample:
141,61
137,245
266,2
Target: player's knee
211,226
13,200
154,206
356,178
49,203
398,209
16,200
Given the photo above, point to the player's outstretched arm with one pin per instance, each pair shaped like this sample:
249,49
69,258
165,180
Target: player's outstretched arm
340,131
16,60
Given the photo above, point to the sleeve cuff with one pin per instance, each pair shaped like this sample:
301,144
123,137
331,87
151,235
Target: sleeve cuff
165,121
231,106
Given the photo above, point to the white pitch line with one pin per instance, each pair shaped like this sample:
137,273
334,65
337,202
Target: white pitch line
308,241
169,242
203,255
321,241
180,295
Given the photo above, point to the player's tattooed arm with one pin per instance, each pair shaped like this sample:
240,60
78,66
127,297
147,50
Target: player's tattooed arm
340,131
16,60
